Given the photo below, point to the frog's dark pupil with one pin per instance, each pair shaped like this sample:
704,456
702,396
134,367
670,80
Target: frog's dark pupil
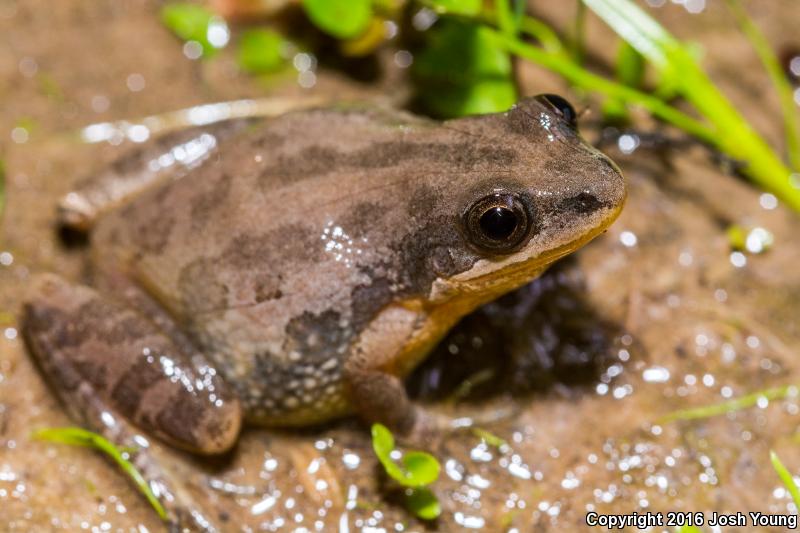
498,223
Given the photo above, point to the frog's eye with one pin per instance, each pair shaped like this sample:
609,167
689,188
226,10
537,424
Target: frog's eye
561,107
497,223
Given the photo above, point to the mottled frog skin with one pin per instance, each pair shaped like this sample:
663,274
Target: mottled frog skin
286,271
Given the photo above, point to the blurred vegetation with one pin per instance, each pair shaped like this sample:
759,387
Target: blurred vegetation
75,436
464,53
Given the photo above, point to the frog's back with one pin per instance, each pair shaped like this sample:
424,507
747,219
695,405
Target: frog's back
276,251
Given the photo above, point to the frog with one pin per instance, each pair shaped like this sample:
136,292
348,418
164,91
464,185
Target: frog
292,270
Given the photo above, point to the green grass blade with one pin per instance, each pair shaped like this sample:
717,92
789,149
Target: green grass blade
75,436
544,34
772,65
737,404
734,136
589,81
786,477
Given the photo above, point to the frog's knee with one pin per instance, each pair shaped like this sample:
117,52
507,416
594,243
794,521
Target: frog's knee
205,424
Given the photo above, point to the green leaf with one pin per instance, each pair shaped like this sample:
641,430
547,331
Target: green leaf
456,7
423,468
420,468
75,436
786,478
463,71
343,19
260,51
190,22
423,503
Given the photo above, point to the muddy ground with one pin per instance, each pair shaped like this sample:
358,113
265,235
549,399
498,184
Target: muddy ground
651,317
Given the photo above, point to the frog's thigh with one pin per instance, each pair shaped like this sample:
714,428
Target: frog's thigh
168,157
102,358
376,394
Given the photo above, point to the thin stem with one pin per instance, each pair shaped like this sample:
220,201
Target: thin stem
584,79
791,119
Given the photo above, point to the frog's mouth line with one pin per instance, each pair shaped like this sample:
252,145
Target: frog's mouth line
484,281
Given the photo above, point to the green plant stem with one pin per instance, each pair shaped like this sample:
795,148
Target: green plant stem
578,32
589,81
75,436
791,118
737,404
786,478
732,133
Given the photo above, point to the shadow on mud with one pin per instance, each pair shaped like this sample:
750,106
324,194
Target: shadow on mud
544,337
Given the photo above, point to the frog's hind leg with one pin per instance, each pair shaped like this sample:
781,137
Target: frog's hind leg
113,366
168,157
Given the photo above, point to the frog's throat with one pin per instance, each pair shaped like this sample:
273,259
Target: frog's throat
487,280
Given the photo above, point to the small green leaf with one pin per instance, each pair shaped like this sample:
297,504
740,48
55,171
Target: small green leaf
75,436
343,19
421,468
423,503
456,7
260,51
190,22
382,441
463,71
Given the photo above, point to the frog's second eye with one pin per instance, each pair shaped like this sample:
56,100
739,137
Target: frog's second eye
562,107
497,223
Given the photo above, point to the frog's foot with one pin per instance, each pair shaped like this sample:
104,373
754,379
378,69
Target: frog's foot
381,397
111,365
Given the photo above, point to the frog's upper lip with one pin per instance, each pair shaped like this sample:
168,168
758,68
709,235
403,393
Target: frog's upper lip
485,280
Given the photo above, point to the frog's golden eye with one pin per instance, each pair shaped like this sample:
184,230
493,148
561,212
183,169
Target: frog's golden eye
498,223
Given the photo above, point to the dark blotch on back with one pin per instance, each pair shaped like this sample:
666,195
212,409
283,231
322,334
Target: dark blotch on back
258,259
320,160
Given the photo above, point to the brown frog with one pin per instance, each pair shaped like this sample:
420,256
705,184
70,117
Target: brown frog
290,270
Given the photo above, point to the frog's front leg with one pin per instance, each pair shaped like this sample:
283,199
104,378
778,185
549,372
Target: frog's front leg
376,391
110,364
